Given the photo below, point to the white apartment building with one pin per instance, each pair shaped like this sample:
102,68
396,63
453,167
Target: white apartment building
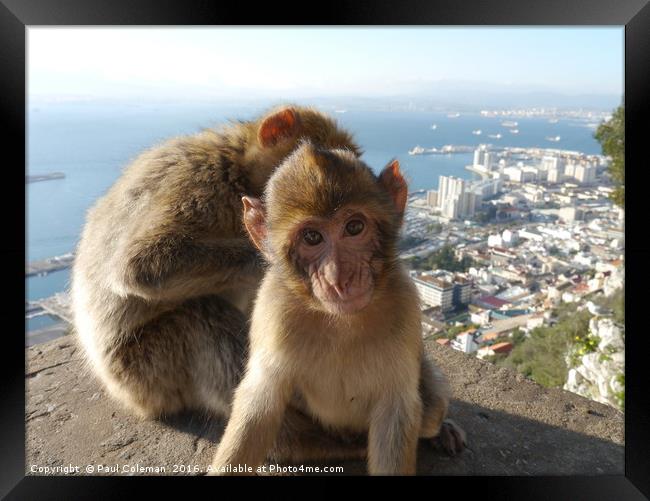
585,174
434,291
432,198
454,200
554,175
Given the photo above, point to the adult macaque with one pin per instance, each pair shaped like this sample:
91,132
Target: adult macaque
164,273
336,327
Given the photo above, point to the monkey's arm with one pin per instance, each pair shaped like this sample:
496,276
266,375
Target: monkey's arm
168,265
258,409
393,434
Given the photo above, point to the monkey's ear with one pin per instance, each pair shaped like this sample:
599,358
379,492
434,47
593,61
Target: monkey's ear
280,125
255,220
393,181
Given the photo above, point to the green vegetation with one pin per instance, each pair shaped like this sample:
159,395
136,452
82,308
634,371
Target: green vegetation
611,136
541,355
517,337
452,332
620,395
443,259
615,303
486,216
408,242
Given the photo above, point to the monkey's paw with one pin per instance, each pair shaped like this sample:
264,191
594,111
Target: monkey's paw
452,438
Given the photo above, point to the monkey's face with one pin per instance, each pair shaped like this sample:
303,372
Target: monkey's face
335,257
329,225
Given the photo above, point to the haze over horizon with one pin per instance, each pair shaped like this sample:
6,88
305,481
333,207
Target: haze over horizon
436,67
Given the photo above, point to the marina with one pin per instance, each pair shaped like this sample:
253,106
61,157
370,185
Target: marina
45,266
57,305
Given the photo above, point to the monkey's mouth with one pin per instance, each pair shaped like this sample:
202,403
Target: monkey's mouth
346,305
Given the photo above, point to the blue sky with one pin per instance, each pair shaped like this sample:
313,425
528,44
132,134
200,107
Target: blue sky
370,62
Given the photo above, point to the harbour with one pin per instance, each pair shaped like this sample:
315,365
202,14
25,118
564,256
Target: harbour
48,265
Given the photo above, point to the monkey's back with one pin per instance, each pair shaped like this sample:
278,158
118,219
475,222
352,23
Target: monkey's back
177,184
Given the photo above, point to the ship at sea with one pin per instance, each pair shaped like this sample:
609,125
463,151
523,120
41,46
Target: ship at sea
434,127
554,139
453,115
340,111
509,123
514,131
495,136
418,150
477,132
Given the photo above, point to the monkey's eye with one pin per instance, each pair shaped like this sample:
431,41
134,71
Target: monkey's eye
312,237
354,227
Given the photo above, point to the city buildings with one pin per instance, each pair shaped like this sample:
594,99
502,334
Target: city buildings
558,239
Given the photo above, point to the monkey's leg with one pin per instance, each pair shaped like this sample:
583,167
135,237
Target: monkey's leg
189,357
302,439
434,391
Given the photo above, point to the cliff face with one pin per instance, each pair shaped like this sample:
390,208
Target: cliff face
599,375
514,426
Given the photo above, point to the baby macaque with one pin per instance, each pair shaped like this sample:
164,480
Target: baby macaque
336,326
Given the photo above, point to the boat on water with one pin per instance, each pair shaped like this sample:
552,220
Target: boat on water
453,115
340,111
554,139
477,132
418,150
514,131
509,123
495,136
434,127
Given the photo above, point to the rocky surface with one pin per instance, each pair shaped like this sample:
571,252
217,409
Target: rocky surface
514,426
598,375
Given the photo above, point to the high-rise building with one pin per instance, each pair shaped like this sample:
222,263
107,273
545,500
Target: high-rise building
585,174
432,198
488,160
462,291
434,291
554,175
479,154
449,187
570,169
551,162
446,293
452,201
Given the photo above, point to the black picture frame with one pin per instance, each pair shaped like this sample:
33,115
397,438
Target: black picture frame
16,15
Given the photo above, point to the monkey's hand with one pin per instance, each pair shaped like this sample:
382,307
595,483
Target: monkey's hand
452,438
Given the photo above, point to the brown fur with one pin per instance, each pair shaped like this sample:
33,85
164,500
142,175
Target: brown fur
360,373
164,272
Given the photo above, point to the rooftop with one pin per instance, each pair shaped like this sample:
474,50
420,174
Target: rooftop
434,281
514,426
